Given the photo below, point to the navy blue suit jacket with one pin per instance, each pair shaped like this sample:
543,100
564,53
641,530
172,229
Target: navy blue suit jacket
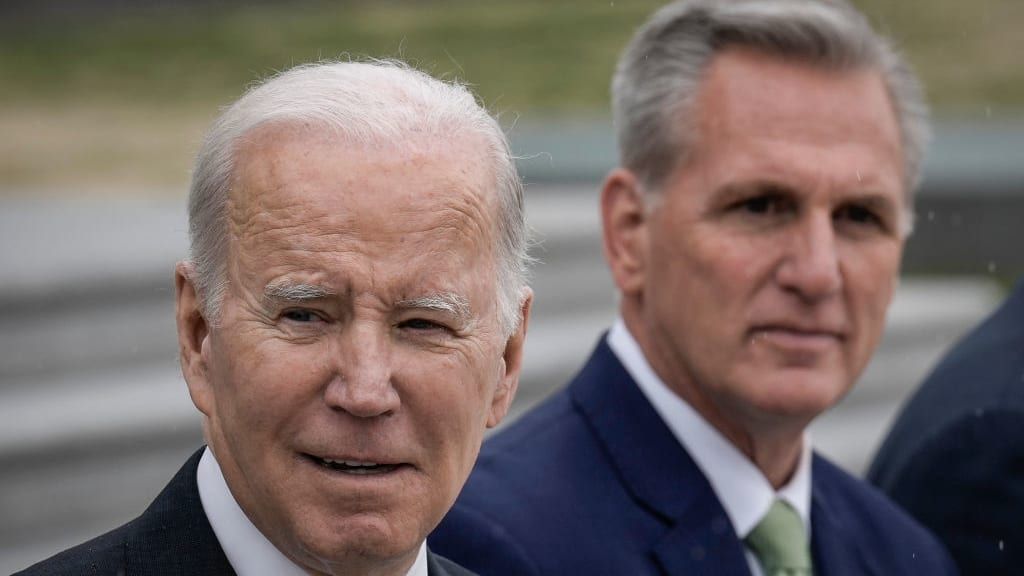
593,482
955,457
171,538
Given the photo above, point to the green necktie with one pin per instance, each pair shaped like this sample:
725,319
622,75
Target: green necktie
780,542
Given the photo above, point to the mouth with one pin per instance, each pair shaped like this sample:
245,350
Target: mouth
354,467
797,338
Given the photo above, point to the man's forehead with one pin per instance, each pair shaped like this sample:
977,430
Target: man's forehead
288,174
757,99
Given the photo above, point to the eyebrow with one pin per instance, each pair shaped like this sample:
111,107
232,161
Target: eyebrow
294,293
446,302
736,190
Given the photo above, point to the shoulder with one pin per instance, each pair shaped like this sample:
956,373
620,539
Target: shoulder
537,485
886,535
551,441
172,535
966,484
982,371
102,555
473,537
440,566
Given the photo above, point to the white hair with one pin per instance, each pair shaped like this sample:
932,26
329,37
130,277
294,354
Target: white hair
370,102
659,73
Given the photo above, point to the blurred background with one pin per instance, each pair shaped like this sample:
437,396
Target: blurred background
102,106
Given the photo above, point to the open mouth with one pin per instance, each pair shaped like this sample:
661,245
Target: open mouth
355,467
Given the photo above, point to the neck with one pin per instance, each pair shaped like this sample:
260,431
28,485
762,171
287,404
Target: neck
772,443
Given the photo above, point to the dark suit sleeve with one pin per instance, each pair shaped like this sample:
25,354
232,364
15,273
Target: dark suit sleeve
966,483
471,539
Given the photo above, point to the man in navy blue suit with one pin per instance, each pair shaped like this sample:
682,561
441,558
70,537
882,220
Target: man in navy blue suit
955,457
769,149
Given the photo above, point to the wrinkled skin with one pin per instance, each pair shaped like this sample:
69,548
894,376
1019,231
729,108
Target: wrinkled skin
360,324
757,281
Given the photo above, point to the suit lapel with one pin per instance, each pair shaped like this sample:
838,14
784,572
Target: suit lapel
702,543
657,471
836,551
173,535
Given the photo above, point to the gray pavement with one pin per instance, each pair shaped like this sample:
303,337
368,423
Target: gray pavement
94,415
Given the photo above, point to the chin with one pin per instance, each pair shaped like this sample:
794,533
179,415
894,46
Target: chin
356,538
799,394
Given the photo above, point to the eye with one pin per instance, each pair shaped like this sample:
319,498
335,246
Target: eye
860,215
300,315
421,325
763,204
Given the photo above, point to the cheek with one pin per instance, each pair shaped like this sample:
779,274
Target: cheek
715,276
266,381
871,276
871,282
448,397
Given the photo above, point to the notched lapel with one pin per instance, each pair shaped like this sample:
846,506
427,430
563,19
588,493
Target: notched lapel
658,473
653,466
173,535
702,543
835,551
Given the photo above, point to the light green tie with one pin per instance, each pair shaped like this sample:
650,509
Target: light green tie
780,542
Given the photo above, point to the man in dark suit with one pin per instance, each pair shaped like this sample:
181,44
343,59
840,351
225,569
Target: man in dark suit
769,149
350,321
955,457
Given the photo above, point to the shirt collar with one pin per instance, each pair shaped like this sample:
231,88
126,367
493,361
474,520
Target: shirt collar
742,489
247,549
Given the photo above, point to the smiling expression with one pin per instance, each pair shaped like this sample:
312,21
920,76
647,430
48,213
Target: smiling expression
358,358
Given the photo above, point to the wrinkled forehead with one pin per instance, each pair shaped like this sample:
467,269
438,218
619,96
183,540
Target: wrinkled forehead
288,173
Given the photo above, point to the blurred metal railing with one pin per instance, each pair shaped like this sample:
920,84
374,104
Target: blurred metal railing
94,415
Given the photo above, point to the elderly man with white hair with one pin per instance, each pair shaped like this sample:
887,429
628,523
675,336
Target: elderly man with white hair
350,321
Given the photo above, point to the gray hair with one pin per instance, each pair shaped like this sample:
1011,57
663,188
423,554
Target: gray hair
370,102
659,73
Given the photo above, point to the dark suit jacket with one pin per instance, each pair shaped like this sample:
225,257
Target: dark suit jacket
171,538
955,457
593,482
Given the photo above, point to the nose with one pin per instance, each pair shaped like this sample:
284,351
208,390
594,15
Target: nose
810,267
362,384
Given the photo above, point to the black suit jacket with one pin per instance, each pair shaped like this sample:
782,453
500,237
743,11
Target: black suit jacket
955,457
171,538
593,482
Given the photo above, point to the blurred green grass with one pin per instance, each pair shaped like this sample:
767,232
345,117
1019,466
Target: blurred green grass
523,55
118,99
528,55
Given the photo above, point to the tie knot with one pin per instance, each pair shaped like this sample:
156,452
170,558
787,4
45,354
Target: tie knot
780,542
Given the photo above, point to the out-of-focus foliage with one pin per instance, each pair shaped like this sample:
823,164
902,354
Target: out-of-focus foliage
968,53
524,55
105,98
528,54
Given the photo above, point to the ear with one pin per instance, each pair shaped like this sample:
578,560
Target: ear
624,222
513,363
193,338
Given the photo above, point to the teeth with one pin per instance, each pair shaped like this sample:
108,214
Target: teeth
351,463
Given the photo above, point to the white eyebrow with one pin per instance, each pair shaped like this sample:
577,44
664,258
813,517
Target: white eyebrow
289,292
447,302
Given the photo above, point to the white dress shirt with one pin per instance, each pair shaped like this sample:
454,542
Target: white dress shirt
742,489
247,549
